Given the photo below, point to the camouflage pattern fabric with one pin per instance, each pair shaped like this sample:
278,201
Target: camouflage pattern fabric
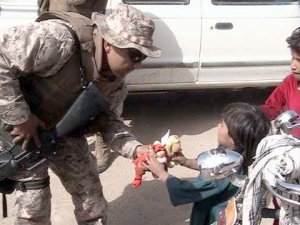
76,168
127,27
76,2
49,46
84,7
42,48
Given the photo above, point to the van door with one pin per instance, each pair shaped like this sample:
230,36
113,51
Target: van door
16,12
178,34
243,41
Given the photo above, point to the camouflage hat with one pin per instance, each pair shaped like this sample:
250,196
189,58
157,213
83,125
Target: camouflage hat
127,27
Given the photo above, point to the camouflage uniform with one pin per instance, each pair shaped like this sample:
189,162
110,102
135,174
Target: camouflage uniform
76,169
84,7
43,49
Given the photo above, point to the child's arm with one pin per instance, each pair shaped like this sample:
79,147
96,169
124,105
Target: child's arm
188,191
183,161
156,168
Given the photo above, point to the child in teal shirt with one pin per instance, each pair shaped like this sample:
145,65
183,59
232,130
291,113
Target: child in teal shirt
241,128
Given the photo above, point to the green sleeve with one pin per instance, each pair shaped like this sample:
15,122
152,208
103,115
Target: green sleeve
197,190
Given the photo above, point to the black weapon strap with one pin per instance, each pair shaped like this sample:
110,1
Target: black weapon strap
83,78
4,205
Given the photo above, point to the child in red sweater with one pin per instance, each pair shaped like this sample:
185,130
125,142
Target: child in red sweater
287,95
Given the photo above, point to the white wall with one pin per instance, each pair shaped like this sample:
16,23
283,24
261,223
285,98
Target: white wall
16,12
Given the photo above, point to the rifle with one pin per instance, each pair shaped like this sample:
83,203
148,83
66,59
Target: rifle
88,105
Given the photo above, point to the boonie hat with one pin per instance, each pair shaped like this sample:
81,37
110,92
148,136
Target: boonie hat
127,27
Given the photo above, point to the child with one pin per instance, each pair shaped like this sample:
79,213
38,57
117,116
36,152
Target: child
287,95
241,129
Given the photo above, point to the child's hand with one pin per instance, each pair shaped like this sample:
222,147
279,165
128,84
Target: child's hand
156,167
179,158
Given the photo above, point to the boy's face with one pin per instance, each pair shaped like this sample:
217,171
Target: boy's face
223,137
295,64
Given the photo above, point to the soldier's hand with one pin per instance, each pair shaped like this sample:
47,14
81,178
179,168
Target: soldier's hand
27,130
141,150
157,168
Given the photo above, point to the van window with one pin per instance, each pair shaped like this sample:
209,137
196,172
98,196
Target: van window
254,2
156,2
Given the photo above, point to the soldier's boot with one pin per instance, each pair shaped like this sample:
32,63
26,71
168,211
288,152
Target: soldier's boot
102,154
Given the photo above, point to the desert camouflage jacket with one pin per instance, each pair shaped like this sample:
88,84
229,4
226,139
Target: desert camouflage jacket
42,49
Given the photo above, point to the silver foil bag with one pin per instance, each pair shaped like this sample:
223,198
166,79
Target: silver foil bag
219,163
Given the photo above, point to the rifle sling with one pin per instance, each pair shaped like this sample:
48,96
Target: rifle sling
4,205
83,78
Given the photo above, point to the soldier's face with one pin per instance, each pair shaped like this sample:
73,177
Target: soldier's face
120,61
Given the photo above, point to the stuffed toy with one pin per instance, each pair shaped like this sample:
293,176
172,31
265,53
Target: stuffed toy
163,153
172,146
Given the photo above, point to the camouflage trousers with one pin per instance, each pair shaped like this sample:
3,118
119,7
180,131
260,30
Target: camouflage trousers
76,168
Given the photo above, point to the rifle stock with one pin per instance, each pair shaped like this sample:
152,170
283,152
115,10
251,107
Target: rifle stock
86,107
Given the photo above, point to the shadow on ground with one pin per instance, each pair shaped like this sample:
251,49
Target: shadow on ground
181,111
147,205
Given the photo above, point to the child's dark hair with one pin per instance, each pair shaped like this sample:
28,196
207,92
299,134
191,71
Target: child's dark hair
294,41
247,125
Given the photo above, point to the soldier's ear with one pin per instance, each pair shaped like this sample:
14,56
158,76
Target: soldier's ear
106,46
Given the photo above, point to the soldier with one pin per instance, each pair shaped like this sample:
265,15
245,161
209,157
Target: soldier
46,54
85,7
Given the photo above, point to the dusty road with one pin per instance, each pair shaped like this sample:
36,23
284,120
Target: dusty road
192,115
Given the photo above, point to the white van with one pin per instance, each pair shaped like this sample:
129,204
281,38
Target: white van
206,43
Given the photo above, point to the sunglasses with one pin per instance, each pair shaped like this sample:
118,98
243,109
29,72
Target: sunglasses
135,55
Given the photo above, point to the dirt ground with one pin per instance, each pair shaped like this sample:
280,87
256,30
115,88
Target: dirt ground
148,204
193,118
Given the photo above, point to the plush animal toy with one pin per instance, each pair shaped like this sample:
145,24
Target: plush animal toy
160,153
173,146
164,154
